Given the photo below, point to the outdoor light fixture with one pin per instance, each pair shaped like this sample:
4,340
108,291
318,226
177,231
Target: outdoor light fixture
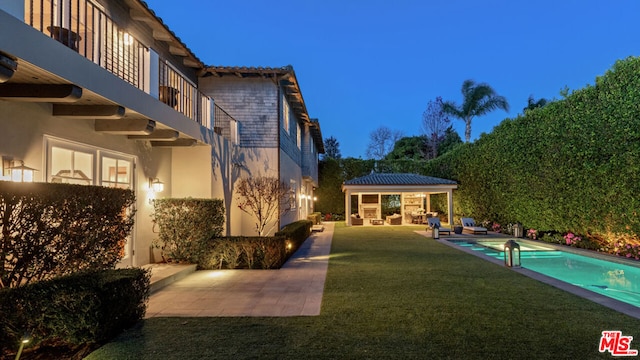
315,198
512,254
518,230
17,173
24,341
435,232
156,185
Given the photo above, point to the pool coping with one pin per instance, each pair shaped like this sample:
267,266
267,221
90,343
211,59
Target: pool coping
614,304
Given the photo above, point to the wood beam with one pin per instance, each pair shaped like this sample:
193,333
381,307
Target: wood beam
89,111
138,15
158,135
176,143
190,63
125,127
174,50
40,92
162,35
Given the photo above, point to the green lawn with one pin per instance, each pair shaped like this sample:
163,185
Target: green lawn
391,293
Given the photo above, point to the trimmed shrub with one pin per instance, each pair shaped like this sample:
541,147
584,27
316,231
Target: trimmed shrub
315,218
187,226
84,308
240,252
296,232
49,230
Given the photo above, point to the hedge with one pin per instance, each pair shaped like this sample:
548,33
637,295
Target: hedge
571,166
187,226
49,230
80,309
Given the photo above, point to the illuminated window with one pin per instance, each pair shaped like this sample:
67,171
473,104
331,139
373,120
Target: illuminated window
298,136
285,114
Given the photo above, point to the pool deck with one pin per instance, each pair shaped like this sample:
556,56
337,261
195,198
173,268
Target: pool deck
620,306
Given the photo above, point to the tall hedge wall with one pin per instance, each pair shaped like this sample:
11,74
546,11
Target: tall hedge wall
573,165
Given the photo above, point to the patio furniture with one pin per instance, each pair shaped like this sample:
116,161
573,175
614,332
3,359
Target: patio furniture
470,225
376,221
433,221
356,220
395,219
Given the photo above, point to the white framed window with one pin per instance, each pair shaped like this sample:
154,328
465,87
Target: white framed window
298,136
285,114
76,163
293,199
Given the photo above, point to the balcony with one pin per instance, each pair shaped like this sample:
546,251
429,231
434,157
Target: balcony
84,27
225,125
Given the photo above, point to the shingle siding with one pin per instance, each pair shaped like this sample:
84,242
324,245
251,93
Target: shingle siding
253,103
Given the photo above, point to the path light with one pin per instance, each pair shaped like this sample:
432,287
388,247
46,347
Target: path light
24,341
512,254
518,230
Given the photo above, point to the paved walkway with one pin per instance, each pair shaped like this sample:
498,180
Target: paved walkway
294,290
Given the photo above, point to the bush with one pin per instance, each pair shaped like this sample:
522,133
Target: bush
239,252
83,308
49,230
315,218
296,232
187,226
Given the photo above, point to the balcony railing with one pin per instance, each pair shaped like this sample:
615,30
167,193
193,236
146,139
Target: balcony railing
179,93
82,26
225,125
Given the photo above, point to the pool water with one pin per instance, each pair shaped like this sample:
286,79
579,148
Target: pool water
608,278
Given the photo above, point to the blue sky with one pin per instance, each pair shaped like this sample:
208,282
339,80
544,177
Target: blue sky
363,64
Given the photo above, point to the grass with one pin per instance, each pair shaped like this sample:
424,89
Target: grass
393,294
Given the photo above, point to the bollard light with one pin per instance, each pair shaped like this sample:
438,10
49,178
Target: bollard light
518,230
512,254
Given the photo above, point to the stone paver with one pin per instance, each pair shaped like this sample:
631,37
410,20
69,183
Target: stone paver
294,290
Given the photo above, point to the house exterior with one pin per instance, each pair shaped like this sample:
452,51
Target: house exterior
276,135
102,92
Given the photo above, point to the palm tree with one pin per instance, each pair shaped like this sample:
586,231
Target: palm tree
478,100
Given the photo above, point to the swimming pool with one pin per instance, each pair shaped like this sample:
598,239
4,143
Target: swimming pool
611,279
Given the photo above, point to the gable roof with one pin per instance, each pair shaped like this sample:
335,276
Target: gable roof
398,179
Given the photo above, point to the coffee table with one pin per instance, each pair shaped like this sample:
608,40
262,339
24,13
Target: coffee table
376,221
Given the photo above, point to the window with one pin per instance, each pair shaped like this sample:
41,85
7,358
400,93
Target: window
74,163
293,190
285,114
71,166
298,136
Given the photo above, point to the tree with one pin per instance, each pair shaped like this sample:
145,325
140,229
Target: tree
477,100
532,104
449,141
265,198
434,123
381,142
412,147
330,195
332,148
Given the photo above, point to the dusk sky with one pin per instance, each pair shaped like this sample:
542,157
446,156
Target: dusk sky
363,64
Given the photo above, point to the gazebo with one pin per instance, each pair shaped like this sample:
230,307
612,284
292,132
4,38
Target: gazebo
414,193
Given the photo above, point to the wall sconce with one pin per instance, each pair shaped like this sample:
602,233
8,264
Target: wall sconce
315,198
512,254
17,173
156,185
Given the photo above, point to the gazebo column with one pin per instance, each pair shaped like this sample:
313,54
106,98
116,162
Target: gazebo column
347,207
428,198
450,206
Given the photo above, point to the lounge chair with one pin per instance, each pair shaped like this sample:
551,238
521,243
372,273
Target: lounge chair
395,219
433,221
470,224
356,220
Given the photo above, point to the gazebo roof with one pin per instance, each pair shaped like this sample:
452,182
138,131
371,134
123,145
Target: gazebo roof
398,179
